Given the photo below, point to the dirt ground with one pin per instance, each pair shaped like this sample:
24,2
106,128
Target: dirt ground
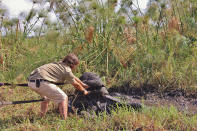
151,96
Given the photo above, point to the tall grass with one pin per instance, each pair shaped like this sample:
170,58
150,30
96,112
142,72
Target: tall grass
162,55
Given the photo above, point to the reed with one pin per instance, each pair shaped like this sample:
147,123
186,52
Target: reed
89,34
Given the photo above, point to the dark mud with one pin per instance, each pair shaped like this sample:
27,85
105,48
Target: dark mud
183,100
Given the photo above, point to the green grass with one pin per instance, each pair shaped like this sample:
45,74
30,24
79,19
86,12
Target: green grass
155,118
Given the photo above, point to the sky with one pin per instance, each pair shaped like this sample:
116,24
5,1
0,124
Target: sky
15,7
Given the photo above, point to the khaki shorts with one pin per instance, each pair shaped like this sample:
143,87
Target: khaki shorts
49,91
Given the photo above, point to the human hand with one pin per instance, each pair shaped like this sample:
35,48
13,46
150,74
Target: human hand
85,92
85,86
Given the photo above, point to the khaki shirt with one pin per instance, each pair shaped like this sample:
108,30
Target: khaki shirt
56,72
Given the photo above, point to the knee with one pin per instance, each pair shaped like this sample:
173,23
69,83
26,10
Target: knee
65,97
63,101
45,101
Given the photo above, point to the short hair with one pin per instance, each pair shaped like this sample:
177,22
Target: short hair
71,59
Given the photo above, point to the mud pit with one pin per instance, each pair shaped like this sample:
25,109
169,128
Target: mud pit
147,94
151,96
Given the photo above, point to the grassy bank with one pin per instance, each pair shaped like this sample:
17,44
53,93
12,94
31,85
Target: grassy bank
155,118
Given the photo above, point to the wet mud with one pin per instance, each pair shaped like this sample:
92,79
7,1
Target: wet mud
148,95
151,96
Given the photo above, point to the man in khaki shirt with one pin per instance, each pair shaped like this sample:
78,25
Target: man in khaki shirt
44,79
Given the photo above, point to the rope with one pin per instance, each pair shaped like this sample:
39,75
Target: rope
18,102
72,107
24,84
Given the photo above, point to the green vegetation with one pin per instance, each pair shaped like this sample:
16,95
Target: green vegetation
156,47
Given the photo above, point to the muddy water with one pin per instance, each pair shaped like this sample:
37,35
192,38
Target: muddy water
178,98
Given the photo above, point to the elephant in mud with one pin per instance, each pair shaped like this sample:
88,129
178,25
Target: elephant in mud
98,100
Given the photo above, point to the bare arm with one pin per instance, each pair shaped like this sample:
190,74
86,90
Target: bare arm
83,84
79,87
